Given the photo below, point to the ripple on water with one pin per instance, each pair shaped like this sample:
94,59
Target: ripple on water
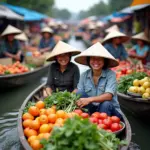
9,139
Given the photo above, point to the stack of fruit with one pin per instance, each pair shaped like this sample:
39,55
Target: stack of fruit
39,121
15,68
141,87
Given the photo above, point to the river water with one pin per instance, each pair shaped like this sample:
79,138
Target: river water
11,100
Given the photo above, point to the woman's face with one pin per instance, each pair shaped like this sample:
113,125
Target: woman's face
96,63
46,35
10,37
63,59
116,40
140,42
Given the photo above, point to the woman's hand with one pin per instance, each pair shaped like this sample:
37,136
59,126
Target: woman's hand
83,102
47,92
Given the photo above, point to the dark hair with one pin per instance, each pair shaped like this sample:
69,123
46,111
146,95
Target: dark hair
105,63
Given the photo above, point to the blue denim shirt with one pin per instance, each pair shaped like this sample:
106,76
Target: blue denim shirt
118,53
43,44
106,84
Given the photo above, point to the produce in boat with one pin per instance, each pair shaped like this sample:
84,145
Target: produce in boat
15,68
45,119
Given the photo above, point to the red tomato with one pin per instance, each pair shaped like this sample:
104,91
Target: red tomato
115,127
96,115
107,122
94,120
100,121
102,126
78,111
85,115
115,119
103,116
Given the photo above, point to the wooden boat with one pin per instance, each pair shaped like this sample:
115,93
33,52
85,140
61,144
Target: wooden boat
137,106
125,135
14,80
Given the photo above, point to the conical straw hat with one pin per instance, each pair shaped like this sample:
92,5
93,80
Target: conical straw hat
52,24
114,34
11,30
141,36
47,29
91,26
21,37
112,28
62,48
96,50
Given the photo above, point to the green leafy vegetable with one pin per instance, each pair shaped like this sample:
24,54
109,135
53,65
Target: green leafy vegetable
80,134
63,100
29,104
126,81
7,72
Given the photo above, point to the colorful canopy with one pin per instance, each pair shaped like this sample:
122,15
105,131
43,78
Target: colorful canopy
29,15
7,13
140,2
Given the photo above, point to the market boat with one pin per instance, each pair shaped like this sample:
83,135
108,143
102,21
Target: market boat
14,80
137,106
38,94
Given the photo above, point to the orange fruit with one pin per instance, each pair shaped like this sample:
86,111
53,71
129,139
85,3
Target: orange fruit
26,130
43,119
46,135
35,124
37,118
31,138
27,116
61,114
27,123
52,118
31,132
40,136
50,111
45,128
40,104
60,121
34,111
43,112
35,144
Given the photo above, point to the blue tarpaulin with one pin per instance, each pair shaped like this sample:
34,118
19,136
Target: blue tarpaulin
29,15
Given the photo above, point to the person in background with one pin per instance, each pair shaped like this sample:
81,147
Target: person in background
10,47
63,74
113,42
142,48
98,86
47,42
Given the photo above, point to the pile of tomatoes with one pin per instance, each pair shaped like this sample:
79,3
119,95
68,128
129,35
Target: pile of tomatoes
110,124
15,68
39,121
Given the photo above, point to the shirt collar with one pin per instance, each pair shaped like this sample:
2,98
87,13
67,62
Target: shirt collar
103,74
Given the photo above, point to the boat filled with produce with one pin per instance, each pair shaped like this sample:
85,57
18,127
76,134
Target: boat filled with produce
56,121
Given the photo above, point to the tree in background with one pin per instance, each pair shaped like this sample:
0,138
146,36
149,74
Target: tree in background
61,13
116,5
43,6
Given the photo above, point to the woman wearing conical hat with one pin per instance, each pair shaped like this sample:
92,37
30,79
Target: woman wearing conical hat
98,86
47,42
63,74
113,42
142,49
10,46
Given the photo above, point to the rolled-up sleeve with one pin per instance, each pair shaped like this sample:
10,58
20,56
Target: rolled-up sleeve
76,77
111,85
